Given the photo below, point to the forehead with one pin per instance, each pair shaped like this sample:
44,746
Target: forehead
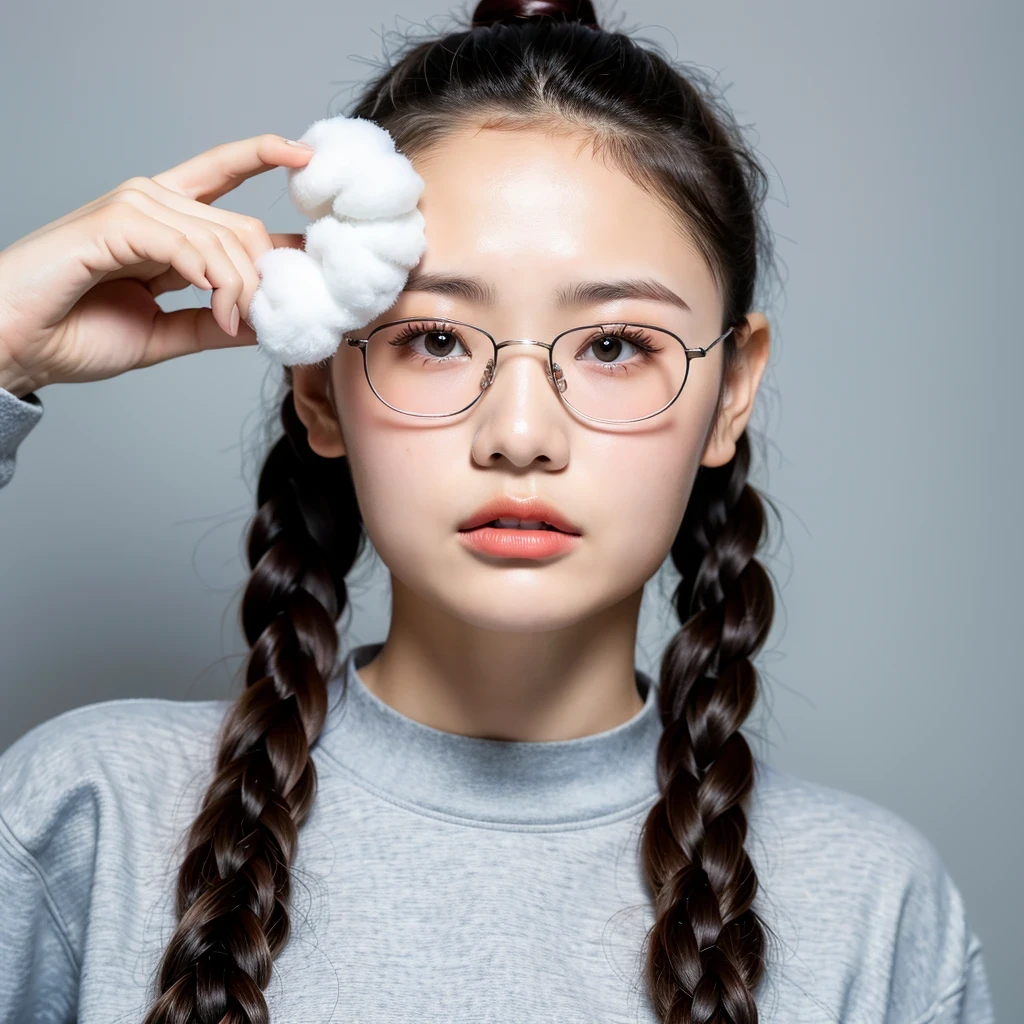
528,210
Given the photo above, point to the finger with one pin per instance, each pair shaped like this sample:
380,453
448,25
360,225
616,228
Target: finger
234,229
184,331
266,151
172,281
228,266
169,281
250,231
216,172
110,242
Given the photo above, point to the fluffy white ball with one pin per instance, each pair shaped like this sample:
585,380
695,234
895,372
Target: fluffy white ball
366,235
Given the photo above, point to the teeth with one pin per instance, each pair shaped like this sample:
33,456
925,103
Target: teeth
522,524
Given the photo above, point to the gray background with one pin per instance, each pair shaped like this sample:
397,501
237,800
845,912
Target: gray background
892,131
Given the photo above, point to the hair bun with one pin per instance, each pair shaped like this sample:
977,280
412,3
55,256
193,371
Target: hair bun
491,12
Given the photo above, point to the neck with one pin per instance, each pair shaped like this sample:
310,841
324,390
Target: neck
557,684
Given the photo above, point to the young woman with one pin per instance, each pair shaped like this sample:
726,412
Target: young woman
492,814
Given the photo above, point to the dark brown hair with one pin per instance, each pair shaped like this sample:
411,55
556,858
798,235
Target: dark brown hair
527,64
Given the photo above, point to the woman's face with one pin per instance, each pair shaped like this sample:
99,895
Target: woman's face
529,214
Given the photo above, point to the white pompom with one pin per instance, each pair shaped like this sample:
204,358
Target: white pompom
366,235
356,276
295,318
342,147
387,186
399,239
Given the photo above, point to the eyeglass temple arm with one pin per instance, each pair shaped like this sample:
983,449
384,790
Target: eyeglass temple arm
697,351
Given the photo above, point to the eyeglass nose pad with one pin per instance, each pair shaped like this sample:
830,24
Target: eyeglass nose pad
557,378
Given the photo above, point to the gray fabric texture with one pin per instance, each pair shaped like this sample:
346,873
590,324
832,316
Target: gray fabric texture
17,417
443,877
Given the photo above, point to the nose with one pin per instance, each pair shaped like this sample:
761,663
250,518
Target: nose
520,417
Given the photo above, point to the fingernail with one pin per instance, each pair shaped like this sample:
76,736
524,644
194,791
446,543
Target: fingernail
301,145
234,321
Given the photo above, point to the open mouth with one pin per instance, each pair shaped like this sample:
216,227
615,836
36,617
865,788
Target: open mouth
511,537
518,524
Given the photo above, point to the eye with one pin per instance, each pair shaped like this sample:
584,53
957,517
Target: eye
608,345
426,339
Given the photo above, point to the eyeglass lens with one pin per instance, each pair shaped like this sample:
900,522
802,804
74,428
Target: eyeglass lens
611,372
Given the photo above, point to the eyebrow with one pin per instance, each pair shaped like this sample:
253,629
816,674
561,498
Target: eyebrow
579,293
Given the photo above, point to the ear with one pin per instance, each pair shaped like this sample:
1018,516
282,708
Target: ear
314,405
753,341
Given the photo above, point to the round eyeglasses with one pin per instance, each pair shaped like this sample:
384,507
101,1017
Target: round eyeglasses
610,372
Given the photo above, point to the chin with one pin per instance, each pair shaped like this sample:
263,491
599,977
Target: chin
509,599
501,599
511,616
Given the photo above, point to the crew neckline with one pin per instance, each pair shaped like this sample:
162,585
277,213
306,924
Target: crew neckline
489,781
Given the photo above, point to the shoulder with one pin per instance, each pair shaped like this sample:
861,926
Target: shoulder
836,827
92,804
116,755
866,890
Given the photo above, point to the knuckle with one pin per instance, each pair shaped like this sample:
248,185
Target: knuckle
120,208
253,227
179,240
213,230
129,197
219,237
136,183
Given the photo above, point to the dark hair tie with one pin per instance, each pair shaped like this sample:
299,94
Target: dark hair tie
491,12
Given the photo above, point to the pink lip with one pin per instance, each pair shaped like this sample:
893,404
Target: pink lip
516,543
528,509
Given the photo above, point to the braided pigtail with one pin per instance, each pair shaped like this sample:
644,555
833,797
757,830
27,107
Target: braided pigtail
706,949
234,882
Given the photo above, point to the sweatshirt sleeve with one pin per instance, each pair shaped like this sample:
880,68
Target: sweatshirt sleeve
17,417
970,1002
939,974
48,825
39,966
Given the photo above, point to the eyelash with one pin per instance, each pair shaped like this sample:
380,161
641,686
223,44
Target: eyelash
633,335
413,330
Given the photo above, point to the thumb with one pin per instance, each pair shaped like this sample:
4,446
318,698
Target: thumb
195,329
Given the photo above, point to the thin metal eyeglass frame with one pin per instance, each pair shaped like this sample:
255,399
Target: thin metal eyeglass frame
554,373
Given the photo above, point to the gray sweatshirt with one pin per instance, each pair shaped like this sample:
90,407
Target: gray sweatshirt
443,877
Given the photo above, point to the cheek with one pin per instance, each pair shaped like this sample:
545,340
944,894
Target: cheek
404,479
641,481
637,493
413,479
392,463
